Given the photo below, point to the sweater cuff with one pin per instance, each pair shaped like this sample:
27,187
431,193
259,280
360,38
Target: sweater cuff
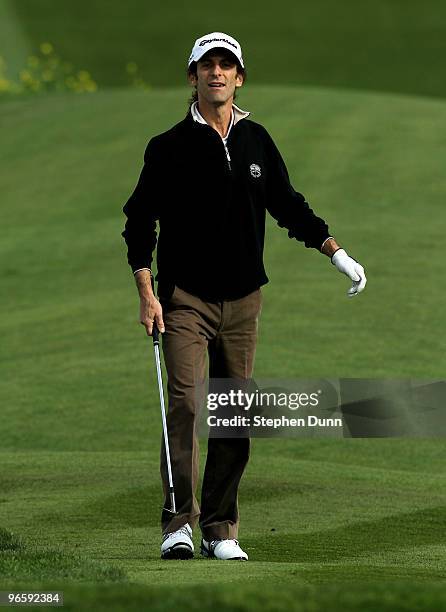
322,245
139,269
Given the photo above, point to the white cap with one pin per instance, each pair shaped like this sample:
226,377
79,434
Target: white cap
213,41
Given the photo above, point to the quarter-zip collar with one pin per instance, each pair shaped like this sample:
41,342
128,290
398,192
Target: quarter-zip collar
236,115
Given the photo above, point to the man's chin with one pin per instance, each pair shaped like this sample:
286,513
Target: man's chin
217,103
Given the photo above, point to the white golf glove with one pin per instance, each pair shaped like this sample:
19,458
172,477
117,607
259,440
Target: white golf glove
351,268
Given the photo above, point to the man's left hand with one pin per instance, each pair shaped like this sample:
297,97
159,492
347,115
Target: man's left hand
351,268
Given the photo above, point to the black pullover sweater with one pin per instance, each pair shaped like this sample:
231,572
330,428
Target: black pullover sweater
211,212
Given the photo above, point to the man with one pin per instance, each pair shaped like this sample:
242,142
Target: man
208,182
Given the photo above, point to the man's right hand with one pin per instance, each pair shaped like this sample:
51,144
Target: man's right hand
150,310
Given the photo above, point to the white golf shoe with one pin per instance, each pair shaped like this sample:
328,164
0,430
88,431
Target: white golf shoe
228,550
178,544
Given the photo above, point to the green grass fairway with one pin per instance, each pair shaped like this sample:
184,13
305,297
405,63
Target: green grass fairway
328,524
360,520
382,45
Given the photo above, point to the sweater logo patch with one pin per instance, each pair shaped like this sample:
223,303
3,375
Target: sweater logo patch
255,170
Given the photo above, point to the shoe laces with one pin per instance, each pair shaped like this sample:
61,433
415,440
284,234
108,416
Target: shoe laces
182,530
214,543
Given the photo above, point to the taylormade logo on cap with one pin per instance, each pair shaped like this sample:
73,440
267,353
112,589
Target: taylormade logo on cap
209,40
215,40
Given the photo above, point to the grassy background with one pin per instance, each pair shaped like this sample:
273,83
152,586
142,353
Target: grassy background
386,45
79,388
345,524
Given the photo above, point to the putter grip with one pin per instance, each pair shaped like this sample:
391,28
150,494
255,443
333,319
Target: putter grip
155,330
155,333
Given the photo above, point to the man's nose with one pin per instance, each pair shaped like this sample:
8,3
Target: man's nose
216,69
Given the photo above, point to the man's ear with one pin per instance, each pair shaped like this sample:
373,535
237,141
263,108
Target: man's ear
239,80
192,78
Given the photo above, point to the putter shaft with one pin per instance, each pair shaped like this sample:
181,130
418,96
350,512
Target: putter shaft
155,334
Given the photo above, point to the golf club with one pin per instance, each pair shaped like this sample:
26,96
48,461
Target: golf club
156,346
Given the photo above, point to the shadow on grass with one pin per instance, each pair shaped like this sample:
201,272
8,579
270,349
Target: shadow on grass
141,506
9,541
133,507
20,562
400,531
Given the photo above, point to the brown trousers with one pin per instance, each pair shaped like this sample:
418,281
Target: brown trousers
226,333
